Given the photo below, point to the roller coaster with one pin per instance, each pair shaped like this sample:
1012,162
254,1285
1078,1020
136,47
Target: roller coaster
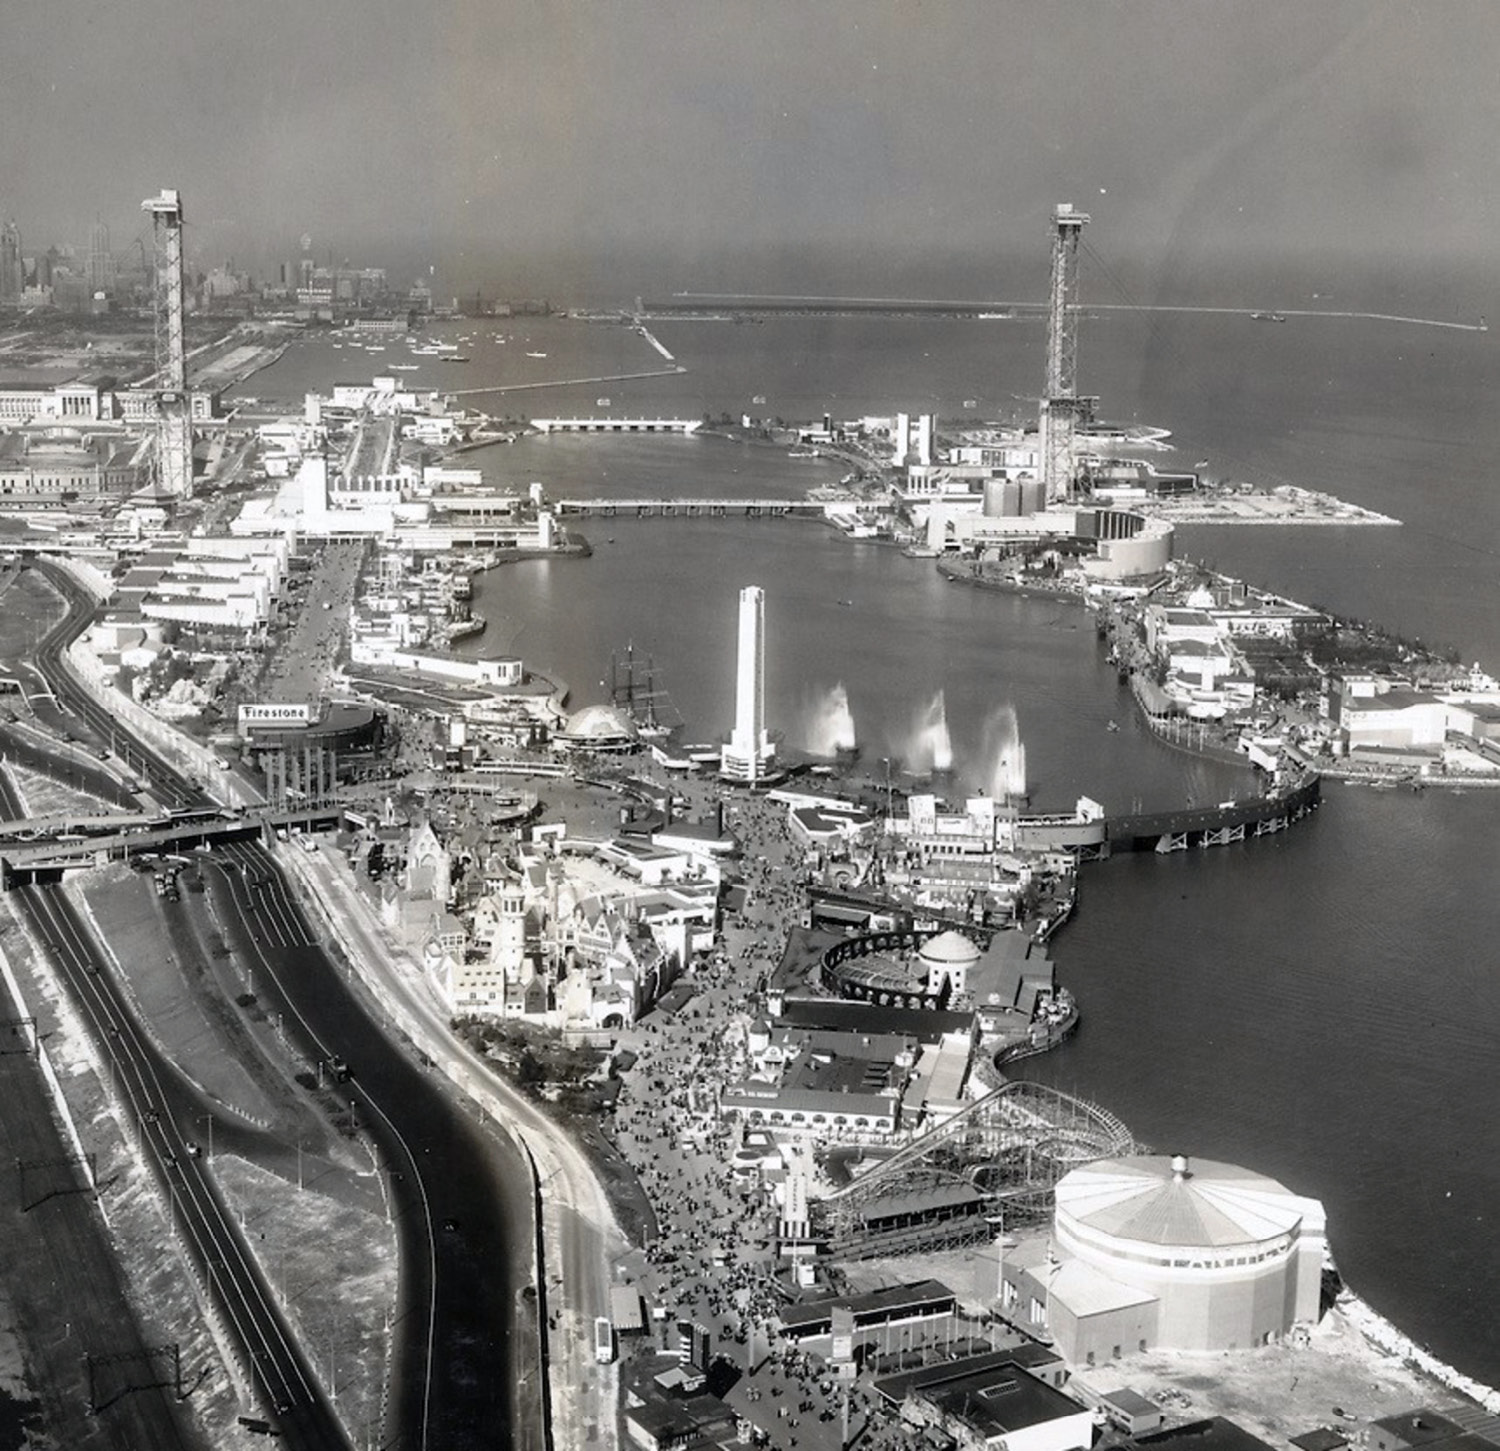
992,1165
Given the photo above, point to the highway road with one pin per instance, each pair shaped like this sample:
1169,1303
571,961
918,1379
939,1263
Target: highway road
161,1107
460,1196
466,1368
68,699
583,1239
64,1289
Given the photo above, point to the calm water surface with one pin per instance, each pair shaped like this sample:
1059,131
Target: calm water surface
1324,1006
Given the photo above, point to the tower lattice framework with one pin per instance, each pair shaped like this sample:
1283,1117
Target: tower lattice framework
1061,405
174,438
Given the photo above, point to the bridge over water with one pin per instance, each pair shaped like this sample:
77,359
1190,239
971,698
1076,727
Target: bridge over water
690,508
1229,821
1169,831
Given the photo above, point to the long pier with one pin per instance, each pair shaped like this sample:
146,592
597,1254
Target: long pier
1231,821
685,426
1171,831
688,508
750,304
564,382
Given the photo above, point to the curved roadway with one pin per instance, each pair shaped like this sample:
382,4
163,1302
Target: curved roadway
461,1197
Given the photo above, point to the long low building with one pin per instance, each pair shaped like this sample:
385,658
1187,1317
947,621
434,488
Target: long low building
51,463
873,1311
217,583
502,673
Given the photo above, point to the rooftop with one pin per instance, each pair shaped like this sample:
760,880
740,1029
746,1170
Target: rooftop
1154,1199
912,1297
923,1025
1002,1400
1215,1434
894,1388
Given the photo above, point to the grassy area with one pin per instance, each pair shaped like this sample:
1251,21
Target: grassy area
333,1267
45,797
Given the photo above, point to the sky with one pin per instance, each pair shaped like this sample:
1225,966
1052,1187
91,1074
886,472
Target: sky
752,143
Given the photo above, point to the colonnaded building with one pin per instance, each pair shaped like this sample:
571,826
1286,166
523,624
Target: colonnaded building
1151,1252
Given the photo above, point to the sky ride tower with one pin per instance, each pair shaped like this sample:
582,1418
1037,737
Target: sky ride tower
174,435
1062,408
747,755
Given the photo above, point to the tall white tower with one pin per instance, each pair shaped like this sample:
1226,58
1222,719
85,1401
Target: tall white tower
747,756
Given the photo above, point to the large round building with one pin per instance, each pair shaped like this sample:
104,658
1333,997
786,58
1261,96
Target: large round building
598,728
1164,1252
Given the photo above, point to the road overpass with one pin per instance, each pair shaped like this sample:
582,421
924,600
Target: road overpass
44,860
463,1373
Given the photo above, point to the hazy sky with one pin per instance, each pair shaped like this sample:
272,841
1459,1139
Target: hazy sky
462,131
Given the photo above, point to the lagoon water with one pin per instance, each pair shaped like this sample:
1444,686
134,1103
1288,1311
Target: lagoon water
1323,1006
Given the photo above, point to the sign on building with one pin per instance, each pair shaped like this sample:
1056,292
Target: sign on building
298,713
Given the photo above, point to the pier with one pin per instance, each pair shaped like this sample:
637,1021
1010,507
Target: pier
687,508
1170,831
1220,825
617,425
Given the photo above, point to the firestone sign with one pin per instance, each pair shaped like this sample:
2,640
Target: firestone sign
289,714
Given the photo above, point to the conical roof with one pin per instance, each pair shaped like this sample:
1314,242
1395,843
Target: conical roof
1153,1199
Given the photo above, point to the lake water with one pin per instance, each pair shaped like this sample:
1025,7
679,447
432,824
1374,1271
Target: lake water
1322,1006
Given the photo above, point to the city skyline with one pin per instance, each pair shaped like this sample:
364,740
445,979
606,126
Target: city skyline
691,140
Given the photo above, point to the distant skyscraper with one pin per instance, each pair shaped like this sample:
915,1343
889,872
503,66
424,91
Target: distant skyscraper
101,259
11,278
747,756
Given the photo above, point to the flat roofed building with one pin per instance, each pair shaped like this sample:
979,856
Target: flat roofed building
1396,718
1427,1428
1212,1434
999,1405
874,1310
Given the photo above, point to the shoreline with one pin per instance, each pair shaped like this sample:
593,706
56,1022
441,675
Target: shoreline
1378,1332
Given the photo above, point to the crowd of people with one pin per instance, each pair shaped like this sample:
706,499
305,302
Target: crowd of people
714,1254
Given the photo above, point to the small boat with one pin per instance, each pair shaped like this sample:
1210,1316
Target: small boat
536,355
1113,725
971,403
601,403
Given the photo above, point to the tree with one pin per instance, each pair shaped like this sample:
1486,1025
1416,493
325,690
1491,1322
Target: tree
530,1074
